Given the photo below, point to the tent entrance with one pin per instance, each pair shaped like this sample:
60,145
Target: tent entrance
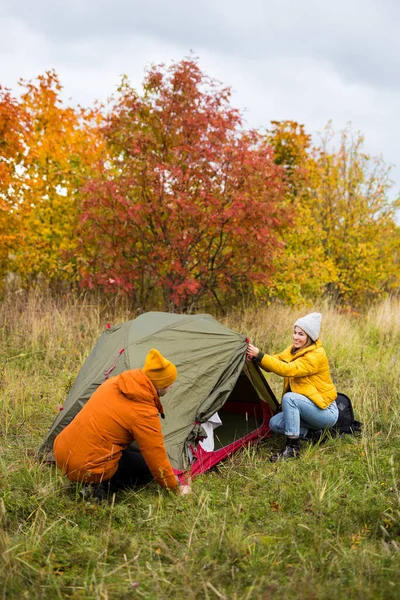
243,412
234,427
245,416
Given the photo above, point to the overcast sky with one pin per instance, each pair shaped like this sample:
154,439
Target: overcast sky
305,60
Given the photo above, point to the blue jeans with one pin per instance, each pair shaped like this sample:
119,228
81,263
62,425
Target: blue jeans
299,414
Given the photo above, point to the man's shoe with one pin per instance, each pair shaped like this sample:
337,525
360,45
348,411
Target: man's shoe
101,492
86,491
94,491
287,452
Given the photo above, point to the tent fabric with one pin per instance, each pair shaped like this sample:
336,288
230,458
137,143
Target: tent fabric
210,359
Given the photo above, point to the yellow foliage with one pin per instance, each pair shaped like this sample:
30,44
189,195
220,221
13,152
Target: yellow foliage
351,202
344,240
62,147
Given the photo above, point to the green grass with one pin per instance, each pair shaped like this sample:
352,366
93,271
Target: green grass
325,526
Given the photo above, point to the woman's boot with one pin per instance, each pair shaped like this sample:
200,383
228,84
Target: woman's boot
291,450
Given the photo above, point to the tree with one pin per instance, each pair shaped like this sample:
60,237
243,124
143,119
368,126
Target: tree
61,148
352,206
187,206
11,155
344,234
303,269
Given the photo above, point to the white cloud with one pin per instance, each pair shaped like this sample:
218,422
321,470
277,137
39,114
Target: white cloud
305,60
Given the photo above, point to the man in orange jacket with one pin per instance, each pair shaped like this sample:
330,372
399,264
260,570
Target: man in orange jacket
93,448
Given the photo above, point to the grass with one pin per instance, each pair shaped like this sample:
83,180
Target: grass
325,526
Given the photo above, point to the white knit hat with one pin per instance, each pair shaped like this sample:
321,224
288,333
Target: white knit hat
311,324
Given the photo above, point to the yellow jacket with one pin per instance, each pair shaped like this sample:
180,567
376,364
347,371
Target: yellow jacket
306,372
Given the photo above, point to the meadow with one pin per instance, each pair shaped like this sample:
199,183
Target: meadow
327,525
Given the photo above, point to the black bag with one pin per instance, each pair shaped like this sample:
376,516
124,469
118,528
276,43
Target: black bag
346,423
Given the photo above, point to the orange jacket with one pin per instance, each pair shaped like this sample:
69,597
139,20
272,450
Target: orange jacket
124,408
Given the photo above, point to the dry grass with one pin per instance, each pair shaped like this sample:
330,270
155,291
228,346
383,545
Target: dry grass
326,525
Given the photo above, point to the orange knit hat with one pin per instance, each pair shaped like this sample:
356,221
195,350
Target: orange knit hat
159,370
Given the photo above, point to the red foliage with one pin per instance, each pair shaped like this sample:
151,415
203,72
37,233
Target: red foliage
188,203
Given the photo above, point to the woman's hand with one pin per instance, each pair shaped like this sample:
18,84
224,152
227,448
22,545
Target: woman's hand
252,351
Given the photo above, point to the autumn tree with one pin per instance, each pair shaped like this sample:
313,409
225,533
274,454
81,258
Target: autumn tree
188,205
11,155
61,148
303,268
342,242
353,208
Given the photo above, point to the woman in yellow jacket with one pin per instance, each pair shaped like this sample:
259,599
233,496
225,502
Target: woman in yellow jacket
308,400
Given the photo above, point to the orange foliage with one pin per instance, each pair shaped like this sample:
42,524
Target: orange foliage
62,147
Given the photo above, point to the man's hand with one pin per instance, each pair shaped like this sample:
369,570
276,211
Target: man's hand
184,490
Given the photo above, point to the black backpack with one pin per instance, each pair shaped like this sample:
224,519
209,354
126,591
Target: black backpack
346,423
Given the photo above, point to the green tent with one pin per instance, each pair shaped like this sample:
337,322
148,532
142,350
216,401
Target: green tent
212,376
